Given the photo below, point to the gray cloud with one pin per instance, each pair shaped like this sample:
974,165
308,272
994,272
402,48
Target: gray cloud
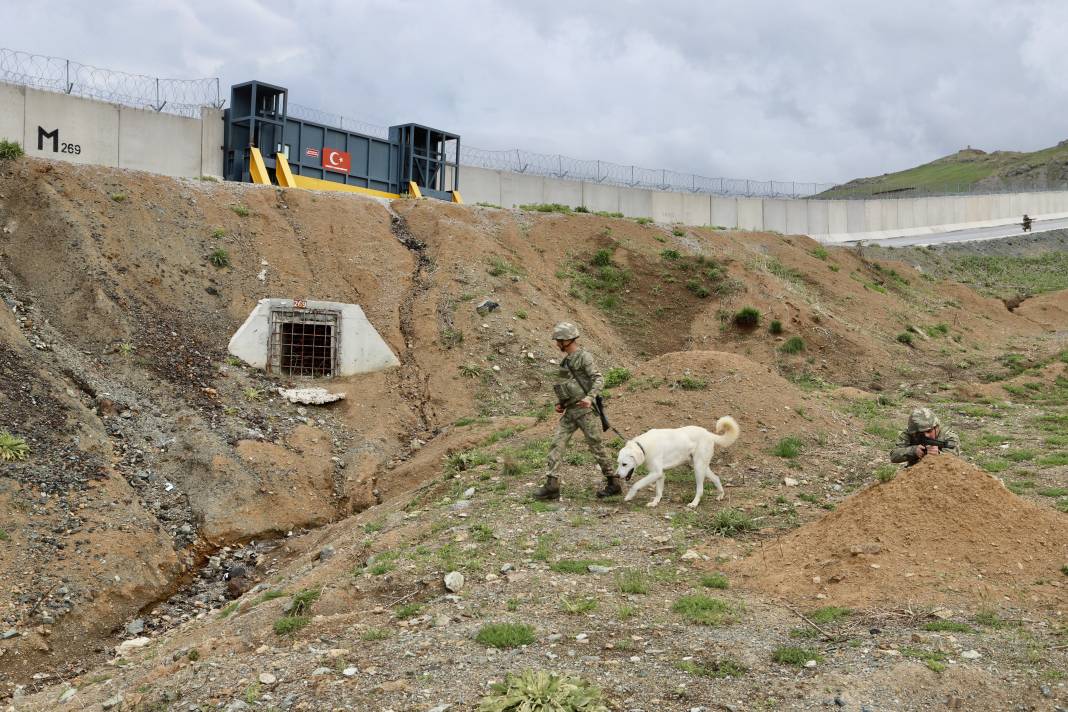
818,90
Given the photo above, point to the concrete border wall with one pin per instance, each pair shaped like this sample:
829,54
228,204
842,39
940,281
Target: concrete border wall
78,130
827,220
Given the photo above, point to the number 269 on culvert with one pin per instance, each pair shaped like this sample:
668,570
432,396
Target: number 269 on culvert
57,145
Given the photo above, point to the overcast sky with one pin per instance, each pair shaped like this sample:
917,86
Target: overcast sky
800,90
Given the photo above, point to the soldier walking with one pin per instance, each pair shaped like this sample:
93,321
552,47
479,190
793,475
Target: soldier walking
579,383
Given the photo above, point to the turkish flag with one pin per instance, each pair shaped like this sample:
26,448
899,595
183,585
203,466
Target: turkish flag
335,160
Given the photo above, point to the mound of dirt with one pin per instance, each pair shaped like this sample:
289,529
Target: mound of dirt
940,531
1049,310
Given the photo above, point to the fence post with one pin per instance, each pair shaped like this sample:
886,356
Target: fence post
69,85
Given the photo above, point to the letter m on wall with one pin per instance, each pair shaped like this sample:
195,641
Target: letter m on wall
42,135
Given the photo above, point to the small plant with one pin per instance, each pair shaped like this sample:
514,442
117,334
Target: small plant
578,606
677,231
302,602
240,210
699,290
13,447
290,624
374,634
193,655
451,337
616,377
4,535
118,197
643,221
482,533
716,669
372,527
729,521
218,233
775,327
703,610
948,627
267,596
539,691
689,383
789,655
905,337
931,658
716,580
520,314
409,610
482,204
574,566
253,395
829,614
937,330
793,345
227,610
671,254
498,267
989,618
505,635
10,150
126,349
885,473
632,581
582,209
546,208
380,568
601,258
470,370
747,318
788,447
819,252
219,257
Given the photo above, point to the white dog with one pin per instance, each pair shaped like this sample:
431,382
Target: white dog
663,448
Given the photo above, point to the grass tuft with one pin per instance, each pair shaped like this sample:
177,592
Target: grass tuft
505,635
788,447
716,580
13,447
789,655
747,318
703,610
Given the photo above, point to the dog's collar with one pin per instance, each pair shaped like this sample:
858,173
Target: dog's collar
640,447
644,457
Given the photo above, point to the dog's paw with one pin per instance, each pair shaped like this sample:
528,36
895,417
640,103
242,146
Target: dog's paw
653,503
693,505
719,497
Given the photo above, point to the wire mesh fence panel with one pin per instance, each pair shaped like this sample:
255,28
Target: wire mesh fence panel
183,97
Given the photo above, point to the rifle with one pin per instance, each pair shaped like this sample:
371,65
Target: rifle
929,442
598,402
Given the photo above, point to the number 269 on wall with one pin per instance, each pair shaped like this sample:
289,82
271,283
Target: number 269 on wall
57,145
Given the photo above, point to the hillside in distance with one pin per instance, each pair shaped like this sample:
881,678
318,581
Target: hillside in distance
967,170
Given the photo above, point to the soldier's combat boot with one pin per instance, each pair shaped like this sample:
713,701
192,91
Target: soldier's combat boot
611,487
549,490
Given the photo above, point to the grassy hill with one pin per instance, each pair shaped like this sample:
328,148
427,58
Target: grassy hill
966,170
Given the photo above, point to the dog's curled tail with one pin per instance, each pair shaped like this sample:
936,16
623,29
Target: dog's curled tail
727,431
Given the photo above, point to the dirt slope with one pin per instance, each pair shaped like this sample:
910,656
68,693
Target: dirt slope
940,531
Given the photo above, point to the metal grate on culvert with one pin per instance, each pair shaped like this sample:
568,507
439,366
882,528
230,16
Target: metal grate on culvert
303,343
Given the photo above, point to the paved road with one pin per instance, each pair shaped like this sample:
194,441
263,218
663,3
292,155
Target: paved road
969,235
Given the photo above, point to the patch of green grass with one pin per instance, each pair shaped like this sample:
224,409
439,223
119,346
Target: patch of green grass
380,568
990,619
690,383
302,601
505,635
290,624
670,255
948,627
1020,486
578,605
729,522
632,581
545,208
4,536
819,252
1054,460
267,596
541,691
719,669
601,258
703,610
615,377
375,634
376,526
905,337
228,609
643,221
747,318
539,507
219,257
10,150
716,580
829,614
806,633
933,659
885,473
775,327
498,267
787,274
408,610
544,547
793,345
789,655
118,197
12,447
1053,492
994,465
1019,455
240,210
788,447
698,289
937,330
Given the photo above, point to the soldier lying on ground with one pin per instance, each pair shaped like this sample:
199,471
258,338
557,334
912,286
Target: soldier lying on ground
923,436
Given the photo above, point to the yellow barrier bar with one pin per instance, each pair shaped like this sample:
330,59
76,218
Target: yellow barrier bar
457,198
282,171
413,190
319,184
257,168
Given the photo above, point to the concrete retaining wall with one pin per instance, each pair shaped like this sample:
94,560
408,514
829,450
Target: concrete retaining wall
79,130
828,220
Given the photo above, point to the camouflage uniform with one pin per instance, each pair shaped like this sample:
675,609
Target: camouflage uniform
578,378
906,449
577,417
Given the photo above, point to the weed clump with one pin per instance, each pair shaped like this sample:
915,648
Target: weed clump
545,208
13,447
775,327
747,318
905,338
219,257
788,447
538,691
505,635
703,610
793,345
729,522
789,655
616,377
10,150
716,580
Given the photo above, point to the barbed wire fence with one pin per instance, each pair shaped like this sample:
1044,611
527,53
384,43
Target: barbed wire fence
183,97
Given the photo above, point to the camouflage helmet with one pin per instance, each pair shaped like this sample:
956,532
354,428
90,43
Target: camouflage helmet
922,419
565,331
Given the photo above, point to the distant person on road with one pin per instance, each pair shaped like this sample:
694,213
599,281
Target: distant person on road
1026,223
579,383
922,437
